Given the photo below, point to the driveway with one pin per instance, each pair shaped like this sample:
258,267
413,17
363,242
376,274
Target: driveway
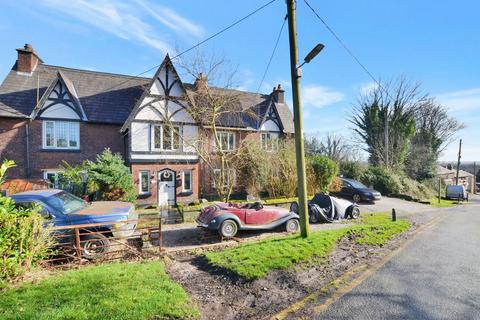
436,276
401,206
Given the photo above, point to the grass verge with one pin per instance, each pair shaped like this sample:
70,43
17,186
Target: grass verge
108,291
442,204
255,260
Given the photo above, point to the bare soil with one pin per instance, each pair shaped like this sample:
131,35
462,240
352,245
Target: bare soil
220,294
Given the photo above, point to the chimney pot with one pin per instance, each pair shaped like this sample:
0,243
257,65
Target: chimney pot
201,83
278,94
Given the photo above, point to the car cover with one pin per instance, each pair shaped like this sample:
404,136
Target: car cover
328,208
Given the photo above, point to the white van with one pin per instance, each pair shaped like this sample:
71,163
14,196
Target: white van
455,192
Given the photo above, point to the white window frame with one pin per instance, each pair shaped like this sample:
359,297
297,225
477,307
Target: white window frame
140,191
231,173
55,122
190,172
272,137
229,147
55,173
177,128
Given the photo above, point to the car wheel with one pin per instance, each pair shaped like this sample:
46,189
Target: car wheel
294,207
357,198
292,225
228,229
94,246
355,213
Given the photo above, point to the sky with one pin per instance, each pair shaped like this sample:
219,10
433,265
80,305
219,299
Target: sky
435,43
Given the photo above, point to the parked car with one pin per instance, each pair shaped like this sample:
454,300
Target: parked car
456,192
325,208
229,218
60,208
357,191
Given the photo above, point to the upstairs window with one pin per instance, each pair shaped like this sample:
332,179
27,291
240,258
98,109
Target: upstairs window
166,137
269,141
61,135
230,178
227,140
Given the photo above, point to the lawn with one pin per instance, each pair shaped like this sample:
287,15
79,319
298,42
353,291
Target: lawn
108,291
255,260
442,204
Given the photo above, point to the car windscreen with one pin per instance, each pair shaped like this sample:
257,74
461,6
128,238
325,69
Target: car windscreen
65,202
357,184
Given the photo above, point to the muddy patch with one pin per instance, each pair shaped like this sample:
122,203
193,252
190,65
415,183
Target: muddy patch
220,294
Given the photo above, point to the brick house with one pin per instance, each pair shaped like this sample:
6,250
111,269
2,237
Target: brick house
49,114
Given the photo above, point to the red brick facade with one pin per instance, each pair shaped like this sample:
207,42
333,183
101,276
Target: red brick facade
94,138
154,169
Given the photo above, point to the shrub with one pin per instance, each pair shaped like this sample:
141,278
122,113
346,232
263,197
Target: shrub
324,170
23,240
352,170
107,176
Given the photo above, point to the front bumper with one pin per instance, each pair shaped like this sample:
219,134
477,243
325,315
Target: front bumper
371,197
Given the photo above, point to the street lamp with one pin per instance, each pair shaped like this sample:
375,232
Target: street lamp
312,54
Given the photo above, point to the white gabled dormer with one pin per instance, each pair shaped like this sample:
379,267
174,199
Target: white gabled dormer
160,126
61,112
60,101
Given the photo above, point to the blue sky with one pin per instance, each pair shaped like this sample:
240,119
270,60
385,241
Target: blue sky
433,42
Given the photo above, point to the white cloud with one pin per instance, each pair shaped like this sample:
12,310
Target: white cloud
461,100
319,96
126,20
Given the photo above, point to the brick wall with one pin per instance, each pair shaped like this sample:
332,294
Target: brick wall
154,169
94,138
12,145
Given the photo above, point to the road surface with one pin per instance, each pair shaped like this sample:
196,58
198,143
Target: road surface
436,276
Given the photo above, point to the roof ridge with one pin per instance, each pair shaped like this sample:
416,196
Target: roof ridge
96,72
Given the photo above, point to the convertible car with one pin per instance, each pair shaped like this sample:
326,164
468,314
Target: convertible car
325,208
229,218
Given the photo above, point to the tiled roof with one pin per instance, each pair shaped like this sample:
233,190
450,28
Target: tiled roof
109,98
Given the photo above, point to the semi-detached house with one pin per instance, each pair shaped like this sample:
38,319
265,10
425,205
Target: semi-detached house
50,113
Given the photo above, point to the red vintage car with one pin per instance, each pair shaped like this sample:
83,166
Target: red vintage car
229,218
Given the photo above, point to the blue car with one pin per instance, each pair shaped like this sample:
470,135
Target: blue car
60,208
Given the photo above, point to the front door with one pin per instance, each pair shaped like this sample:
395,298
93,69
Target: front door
166,187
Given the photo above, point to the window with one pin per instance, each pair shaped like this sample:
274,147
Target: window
61,135
187,181
227,140
269,141
144,177
166,137
53,177
231,178
65,203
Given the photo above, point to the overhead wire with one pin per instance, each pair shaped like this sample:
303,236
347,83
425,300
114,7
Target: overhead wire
198,44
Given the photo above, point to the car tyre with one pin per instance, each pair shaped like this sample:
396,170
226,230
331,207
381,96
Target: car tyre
228,228
355,213
94,246
292,225
312,217
357,198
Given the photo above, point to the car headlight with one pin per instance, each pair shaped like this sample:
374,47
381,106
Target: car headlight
213,221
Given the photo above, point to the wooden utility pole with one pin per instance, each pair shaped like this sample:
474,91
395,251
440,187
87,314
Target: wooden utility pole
458,161
297,118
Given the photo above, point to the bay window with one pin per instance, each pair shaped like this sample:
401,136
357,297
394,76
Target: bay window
61,135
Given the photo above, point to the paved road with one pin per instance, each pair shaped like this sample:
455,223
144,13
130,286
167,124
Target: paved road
436,276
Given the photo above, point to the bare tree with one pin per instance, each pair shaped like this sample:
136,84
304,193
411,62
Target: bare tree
218,109
333,145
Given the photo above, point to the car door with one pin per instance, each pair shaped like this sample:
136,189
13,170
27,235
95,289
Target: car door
259,216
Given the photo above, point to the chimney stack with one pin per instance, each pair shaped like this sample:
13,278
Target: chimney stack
201,83
278,94
27,59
